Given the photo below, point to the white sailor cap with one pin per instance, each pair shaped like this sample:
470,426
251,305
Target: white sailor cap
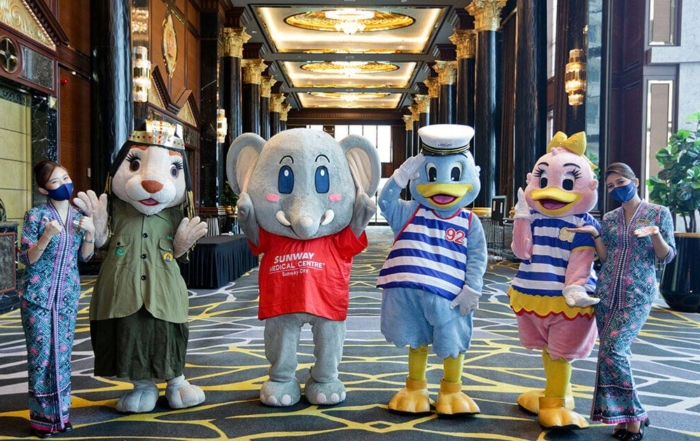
445,139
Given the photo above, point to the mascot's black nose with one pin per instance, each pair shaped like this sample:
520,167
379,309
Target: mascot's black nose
152,186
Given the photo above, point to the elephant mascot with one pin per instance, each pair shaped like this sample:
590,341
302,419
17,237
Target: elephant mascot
433,276
304,203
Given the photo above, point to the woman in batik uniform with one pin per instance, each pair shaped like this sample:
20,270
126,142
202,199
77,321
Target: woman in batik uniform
53,237
633,237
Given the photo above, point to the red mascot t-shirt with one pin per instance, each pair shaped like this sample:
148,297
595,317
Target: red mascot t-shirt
311,276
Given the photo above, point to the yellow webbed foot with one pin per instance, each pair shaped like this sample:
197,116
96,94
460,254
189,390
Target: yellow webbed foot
530,401
452,401
413,398
554,415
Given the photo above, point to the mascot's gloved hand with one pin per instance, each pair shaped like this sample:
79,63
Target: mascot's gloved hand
408,170
96,208
522,210
362,212
467,300
576,295
187,234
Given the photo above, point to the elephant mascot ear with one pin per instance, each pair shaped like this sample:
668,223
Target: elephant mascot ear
241,160
363,160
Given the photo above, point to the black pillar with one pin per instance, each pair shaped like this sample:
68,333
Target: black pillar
531,84
265,88
111,104
465,40
486,118
251,95
276,100
423,103
447,71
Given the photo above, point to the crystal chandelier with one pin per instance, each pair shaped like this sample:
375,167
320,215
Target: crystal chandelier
221,126
348,19
575,77
141,74
350,68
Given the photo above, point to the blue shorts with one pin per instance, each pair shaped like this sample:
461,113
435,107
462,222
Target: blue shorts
411,317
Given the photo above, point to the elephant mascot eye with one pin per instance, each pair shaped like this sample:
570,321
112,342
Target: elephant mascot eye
322,180
285,182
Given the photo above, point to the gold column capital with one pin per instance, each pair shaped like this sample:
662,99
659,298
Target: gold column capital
465,40
486,13
408,120
276,100
284,111
423,102
433,86
234,38
252,71
266,84
447,72
415,112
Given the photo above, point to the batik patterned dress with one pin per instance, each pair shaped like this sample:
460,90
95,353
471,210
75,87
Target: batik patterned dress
49,292
627,288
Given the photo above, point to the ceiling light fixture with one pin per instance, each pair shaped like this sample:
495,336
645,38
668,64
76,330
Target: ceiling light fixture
350,68
348,19
575,77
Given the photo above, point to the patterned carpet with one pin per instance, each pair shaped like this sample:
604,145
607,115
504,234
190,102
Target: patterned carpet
226,358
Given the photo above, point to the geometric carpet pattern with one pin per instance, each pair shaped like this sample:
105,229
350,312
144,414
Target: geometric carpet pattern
226,358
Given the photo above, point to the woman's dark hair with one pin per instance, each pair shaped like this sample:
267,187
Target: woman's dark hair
621,169
43,171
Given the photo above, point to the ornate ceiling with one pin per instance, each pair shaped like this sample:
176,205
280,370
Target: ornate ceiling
343,54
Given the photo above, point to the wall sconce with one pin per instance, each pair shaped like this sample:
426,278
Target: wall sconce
221,126
349,19
575,77
142,74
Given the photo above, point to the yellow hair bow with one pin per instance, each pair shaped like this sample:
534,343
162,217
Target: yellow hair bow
576,144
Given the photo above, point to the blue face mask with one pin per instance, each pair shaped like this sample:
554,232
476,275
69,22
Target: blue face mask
625,193
62,193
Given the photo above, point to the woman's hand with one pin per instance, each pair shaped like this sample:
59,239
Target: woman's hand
646,231
588,229
51,228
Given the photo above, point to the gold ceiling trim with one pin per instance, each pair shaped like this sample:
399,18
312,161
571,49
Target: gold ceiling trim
17,15
381,21
349,96
350,67
347,86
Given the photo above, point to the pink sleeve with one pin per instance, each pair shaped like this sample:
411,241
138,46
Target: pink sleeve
579,268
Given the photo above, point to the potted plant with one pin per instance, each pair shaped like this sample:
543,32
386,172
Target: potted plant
677,186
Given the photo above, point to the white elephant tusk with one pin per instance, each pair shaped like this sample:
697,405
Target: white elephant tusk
328,217
281,218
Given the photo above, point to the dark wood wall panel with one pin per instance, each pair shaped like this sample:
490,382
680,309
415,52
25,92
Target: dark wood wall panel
74,17
634,24
178,78
74,129
193,59
158,12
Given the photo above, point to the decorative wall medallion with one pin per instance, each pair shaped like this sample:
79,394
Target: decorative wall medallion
8,55
169,44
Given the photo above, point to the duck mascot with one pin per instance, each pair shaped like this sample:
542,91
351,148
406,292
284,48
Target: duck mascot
138,310
550,292
303,203
433,275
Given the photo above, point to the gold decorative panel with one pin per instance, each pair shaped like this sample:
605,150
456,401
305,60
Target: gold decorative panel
17,15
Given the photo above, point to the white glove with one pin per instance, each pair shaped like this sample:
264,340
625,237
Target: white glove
576,295
522,210
188,232
408,170
96,208
467,300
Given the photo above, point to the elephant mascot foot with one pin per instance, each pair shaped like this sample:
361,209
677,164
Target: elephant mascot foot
274,393
324,393
141,399
181,394
413,398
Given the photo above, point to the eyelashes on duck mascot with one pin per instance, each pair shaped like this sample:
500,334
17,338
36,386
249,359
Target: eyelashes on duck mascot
550,292
138,309
433,275
304,203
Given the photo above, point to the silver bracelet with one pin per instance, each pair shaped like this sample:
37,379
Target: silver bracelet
89,240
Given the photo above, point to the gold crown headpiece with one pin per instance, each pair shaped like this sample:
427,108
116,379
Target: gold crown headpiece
158,133
576,144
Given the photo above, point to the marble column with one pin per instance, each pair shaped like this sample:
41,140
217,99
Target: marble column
231,100
265,90
465,40
531,84
284,114
434,92
487,20
423,103
110,103
276,100
415,114
408,120
252,76
447,75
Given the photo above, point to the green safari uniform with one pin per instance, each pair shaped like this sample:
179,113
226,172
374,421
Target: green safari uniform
140,269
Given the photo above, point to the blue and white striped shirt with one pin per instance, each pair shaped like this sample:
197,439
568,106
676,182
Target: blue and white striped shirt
430,254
